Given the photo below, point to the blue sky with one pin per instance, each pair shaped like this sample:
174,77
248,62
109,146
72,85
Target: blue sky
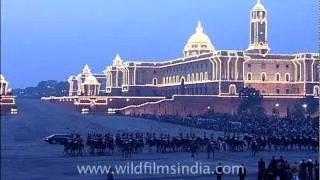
52,39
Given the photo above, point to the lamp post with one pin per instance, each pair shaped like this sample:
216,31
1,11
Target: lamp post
305,107
276,108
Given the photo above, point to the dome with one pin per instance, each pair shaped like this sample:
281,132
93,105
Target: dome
198,43
91,80
258,7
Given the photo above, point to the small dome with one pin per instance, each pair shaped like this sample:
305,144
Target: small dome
258,7
91,80
199,41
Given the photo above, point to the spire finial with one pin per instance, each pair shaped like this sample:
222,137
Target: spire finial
117,60
259,2
199,27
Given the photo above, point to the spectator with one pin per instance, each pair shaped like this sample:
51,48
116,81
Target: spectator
219,172
310,169
242,172
262,168
316,169
110,174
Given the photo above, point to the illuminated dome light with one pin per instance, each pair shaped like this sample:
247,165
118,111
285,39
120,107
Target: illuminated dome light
198,43
258,7
91,80
117,61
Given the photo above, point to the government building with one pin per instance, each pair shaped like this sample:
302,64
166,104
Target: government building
7,101
203,78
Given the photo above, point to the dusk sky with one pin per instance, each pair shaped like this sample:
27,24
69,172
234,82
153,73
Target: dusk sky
53,39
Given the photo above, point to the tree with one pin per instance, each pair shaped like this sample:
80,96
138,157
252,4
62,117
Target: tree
44,88
309,105
250,100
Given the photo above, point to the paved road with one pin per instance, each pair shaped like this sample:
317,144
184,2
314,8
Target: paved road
26,156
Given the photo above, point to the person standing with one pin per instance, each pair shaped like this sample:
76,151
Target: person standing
262,168
242,172
294,171
316,170
310,169
110,174
219,172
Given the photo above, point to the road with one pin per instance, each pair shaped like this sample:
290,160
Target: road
26,156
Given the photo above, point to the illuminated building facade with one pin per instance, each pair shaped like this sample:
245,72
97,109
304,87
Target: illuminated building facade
205,71
7,101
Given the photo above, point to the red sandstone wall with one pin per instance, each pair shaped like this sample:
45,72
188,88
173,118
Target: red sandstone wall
195,105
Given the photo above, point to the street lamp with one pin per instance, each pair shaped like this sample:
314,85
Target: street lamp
305,106
277,105
84,111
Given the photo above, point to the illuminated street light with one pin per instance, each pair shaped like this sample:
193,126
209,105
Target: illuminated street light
84,111
277,105
304,105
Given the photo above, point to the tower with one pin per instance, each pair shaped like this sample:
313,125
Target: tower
258,30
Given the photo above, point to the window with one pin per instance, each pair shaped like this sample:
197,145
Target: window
263,65
277,66
154,81
287,66
197,76
232,89
188,78
206,76
249,65
192,77
249,76
287,77
201,76
316,91
277,77
163,80
177,79
278,91
263,77
287,91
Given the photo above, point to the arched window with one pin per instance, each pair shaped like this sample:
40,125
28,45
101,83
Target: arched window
287,77
173,79
197,76
232,89
277,76
192,77
249,76
188,78
170,80
263,77
154,81
316,91
201,76
206,76
167,80
163,80
177,79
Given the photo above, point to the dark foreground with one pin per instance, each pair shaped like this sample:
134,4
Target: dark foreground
26,156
